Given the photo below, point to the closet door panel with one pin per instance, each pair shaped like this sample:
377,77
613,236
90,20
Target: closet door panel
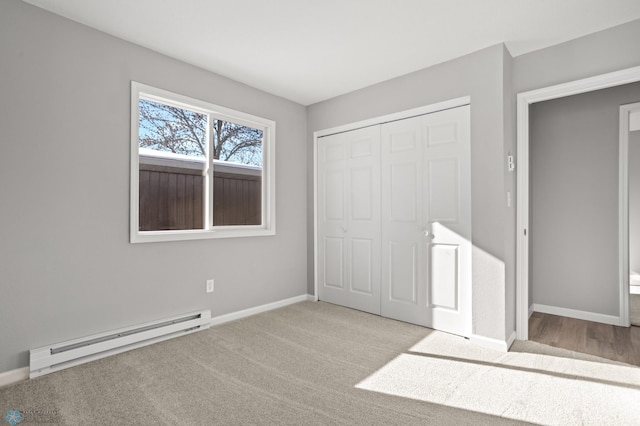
443,190
332,277
362,194
363,224
444,259
403,258
349,226
403,269
334,202
403,192
447,162
362,266
333,267
426,221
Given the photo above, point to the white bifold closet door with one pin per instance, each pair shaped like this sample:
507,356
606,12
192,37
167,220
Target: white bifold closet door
349,219
426,221
394,220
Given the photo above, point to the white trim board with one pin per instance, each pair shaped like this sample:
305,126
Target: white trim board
574,313
14,376
415,112
221,319
634,120
525,99
494,344
511,339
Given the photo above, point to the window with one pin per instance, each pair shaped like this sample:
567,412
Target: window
198,170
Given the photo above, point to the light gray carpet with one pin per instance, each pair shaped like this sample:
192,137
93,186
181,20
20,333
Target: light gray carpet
316,363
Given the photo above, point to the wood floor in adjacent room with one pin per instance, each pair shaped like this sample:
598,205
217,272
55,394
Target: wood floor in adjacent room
606,341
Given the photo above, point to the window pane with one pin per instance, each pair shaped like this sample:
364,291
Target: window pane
170,129
172,153
237,177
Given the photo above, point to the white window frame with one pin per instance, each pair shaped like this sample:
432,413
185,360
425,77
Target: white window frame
268,127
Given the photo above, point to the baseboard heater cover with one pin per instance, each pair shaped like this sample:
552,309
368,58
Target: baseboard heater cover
48,359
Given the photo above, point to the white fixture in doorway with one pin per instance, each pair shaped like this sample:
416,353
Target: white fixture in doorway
525,99
629,122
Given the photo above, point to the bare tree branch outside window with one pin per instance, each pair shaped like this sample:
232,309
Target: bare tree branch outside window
180,131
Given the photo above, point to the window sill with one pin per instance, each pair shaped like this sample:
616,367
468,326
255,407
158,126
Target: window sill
200,234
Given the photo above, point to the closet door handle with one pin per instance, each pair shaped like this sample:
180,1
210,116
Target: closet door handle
343,228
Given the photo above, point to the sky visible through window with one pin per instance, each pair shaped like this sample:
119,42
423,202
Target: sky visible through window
176,130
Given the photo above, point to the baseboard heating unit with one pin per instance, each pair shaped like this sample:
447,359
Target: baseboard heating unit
48,359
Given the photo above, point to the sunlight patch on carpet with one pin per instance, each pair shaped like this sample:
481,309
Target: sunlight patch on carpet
512,392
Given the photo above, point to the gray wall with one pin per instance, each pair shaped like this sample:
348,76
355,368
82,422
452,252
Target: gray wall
66,266
574,180
634,202
480,75
598,53
509,188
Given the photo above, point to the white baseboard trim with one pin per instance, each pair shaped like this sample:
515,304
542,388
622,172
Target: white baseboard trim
511,339
221,319
573,313
489,343
20,374
14,376
531,310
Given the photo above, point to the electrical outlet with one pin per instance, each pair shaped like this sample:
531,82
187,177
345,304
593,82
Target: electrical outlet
210,286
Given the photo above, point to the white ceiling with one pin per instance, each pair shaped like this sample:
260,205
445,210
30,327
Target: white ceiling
311,50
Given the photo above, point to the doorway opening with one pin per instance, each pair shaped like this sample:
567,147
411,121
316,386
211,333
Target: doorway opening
525,100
